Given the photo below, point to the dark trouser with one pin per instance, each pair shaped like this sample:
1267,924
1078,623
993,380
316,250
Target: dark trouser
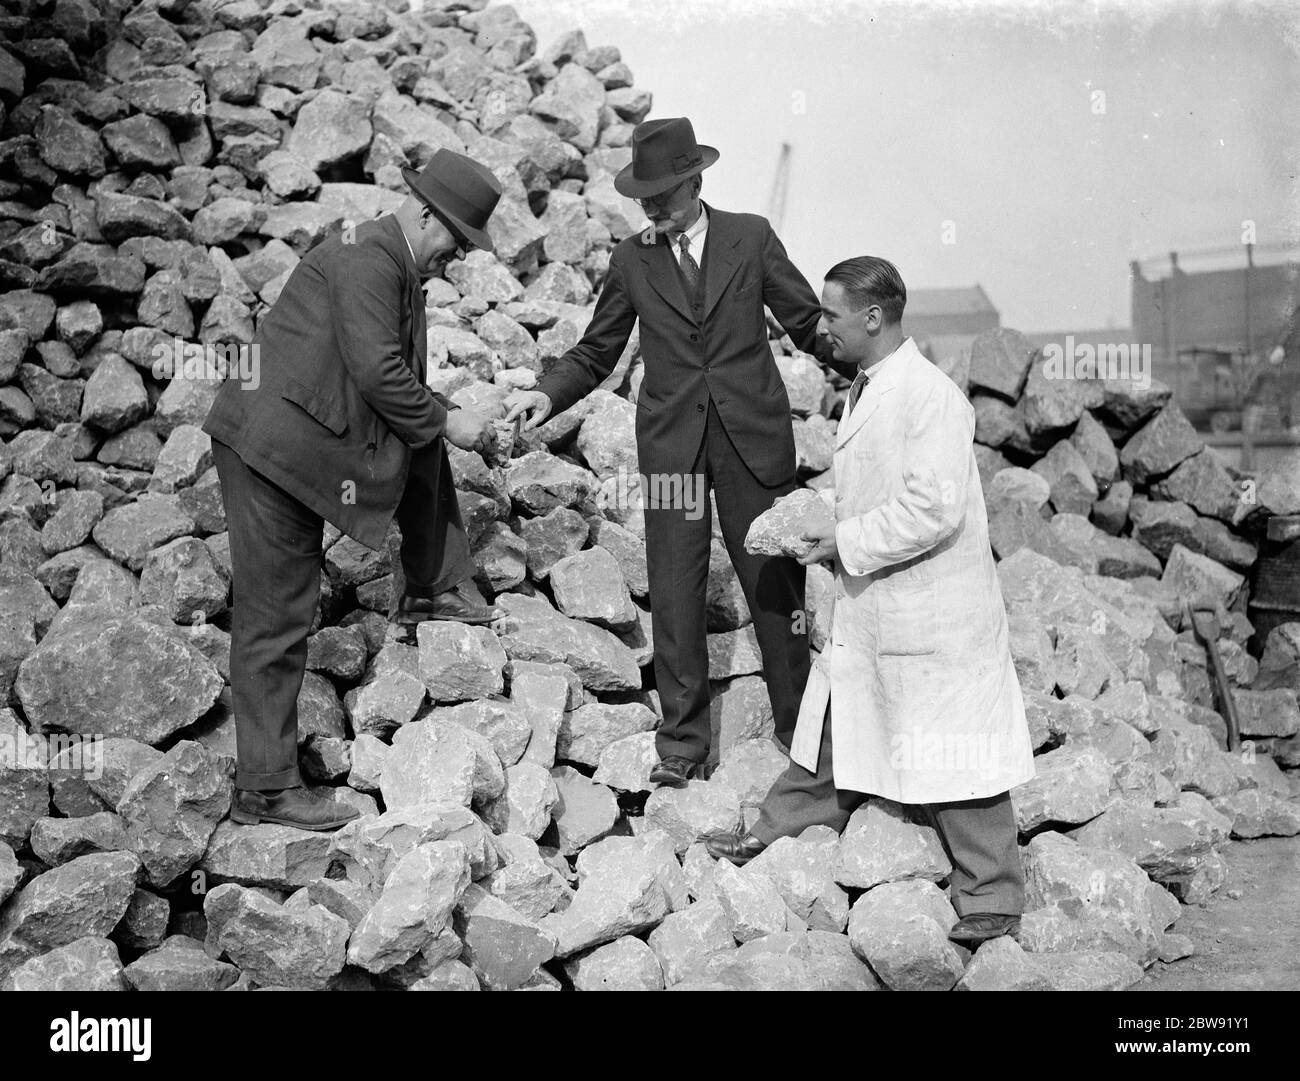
978,835
275,555
677,558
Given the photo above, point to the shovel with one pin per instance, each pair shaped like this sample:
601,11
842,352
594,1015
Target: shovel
1206,624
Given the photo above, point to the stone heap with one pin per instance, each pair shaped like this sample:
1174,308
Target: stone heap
163,166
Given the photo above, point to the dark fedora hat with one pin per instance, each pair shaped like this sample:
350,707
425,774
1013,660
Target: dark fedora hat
664,153
460,190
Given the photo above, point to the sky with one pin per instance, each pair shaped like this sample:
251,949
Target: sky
1033,148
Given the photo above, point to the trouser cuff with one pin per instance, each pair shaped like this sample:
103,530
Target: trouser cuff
262,782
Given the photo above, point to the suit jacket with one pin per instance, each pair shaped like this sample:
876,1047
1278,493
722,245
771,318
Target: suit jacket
342,398
713,346
925,703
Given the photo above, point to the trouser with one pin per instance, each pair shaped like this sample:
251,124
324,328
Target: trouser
677,561
275,557
978,835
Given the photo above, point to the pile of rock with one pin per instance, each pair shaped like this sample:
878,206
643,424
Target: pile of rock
163,166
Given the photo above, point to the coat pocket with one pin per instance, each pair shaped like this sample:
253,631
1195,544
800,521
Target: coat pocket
909,617
319,408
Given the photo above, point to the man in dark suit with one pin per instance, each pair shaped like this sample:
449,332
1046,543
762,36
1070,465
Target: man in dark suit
339,426
712,410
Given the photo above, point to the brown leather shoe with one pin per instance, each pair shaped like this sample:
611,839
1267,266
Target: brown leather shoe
674,771
981,926
452,604
738,847
296,807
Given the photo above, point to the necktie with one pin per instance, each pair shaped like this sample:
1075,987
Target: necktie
855,392
690,267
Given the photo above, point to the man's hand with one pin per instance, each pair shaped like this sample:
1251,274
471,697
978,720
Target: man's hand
471,431
532,404
824,548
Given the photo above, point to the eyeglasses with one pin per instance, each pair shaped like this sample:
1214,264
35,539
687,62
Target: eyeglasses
660,200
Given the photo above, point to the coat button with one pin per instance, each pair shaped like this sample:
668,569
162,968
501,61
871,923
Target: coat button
695,337
707,368
699,409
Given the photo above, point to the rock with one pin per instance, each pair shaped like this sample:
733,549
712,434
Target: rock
689,813
144,924
779,530
626,964
1072,487
389,700
329,129
528,802
1159,446
1000,362
502,946
1071,785
753,904
539,633
544,692
438,761
415,905
1001,965
880,844
1267,713
79,791
749,768
786,961
538,482
1256,813
265,855
368,848
587,731
179,964
67,145
272,944
172,807
626,763
1083,898
627,884
121,663
551,538
88,964
58,840
740,711
803,870
1199,580
901,930
85,897
589,586
458,662
584,811
1166,842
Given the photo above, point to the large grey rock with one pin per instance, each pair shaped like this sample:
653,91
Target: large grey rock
438,761
881,844
179,964
272,944
265,855
414,906
901,930
504,947
172,807
780,529
626,964
88,964
536,632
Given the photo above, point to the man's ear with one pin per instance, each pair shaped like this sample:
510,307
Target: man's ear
874,317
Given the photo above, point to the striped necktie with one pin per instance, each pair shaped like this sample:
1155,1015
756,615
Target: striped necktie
690,268
855,392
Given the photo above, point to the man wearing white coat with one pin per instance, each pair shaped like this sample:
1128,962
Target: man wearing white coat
917,681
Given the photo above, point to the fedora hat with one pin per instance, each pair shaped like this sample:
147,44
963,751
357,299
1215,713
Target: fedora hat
664,153
460,190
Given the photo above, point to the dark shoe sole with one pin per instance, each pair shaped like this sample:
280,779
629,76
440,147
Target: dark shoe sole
669,780
971,941
738,861
247,818
414,621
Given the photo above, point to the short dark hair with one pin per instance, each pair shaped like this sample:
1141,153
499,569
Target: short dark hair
870,280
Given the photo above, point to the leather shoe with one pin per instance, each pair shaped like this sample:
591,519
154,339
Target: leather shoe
738,847
298,807
981,926
673,770
451,604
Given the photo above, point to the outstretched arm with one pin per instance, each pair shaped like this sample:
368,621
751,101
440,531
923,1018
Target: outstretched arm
582,368
365,290
790,298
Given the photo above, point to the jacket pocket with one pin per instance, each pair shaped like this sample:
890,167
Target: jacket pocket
317,407
909,617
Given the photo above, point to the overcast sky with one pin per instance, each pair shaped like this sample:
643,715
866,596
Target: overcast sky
982,122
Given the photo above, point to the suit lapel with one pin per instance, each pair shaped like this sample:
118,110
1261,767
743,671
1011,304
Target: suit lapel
417,344
876,390
664,276
722,260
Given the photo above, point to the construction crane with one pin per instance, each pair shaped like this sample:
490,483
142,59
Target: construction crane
780,183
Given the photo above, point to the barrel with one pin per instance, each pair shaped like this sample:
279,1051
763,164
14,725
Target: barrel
1275,586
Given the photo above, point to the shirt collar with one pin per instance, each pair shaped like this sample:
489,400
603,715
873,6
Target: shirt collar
870,372
695,231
